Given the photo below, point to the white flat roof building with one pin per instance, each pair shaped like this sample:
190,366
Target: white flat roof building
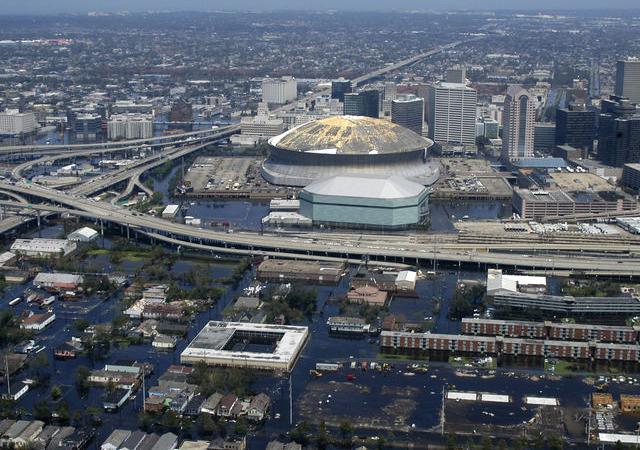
514,283
543,401
170,211
406,279
467,396
84,234
43,247
230,344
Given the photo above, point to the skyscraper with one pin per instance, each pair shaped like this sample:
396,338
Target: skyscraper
619,132
408,111
452,113
628,79
518,124
279,90
456,75
365,103
339,88
576,126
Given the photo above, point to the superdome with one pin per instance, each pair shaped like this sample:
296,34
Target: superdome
348,145
350,135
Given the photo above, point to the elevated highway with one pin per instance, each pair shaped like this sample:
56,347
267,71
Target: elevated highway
40,149
614,261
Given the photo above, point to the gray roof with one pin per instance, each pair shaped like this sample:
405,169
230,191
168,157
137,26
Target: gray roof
117,437
385,187
167,441
352,135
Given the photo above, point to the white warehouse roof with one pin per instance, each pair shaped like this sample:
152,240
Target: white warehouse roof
83,234
385,187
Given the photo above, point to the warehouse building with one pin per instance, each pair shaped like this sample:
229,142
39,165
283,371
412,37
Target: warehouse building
84,234
348,145
289,270
43,247
250,345
365,201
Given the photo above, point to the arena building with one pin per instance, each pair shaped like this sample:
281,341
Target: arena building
348,145
366,201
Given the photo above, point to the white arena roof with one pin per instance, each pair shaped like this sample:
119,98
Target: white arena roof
220,344
385,187
623,438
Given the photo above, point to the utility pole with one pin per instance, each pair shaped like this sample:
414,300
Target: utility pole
6,368
290,399
442,415
144,395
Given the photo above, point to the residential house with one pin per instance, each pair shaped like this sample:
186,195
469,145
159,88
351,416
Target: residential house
258,407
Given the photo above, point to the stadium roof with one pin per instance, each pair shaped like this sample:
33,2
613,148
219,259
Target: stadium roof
366,186
350,135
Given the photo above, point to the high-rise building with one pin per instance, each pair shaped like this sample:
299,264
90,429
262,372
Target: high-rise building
339,88
576,126
518,124
619,132
13,122
279,90
130,126
544,134
456,75
84,126
628,79
408,111
452,113
365,103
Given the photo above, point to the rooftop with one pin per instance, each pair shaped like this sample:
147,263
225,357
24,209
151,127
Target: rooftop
354,135
227,343
367,186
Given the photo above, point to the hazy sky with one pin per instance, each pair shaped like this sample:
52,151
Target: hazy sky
83,6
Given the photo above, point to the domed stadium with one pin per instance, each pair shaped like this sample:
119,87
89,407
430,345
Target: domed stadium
348,145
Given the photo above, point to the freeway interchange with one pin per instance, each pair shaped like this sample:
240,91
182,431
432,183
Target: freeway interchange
588,257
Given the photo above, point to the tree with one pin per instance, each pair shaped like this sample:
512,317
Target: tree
300,433
81,324
346,431
207,424
486,443
82,379
145,421
555,443
452,444
323,437
41,410
56,392
62,413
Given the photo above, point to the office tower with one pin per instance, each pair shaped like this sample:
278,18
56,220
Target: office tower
389,95
456,75
339,88
365,103
130,126
619,132
544,134
13,122
408,111
517,124
576,126
628,79
279,90
452,113
84,126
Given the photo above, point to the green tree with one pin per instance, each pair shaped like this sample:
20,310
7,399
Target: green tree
41,410
322,439
452,443
56,392
485,443
555,443
145,421
81,324
82,379
62,413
